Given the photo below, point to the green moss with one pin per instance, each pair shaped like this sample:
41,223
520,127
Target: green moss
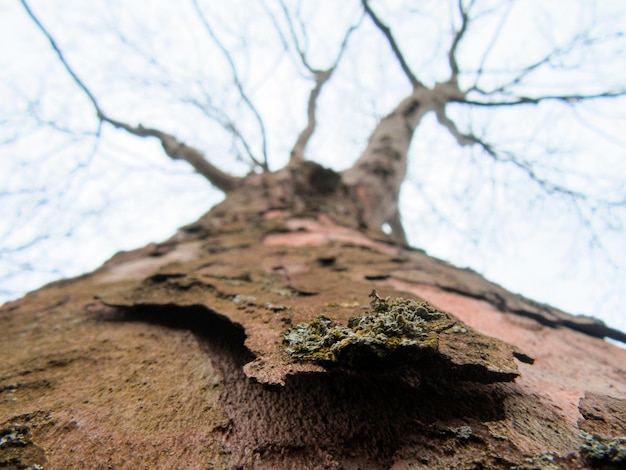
600,452
392,331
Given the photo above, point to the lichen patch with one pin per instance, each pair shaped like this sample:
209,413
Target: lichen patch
391,331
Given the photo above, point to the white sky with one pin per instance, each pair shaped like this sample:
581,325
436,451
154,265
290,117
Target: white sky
82,199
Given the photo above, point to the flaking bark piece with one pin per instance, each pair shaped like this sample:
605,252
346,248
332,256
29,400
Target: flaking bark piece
398,332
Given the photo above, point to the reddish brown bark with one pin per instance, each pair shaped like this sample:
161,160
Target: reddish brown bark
172,355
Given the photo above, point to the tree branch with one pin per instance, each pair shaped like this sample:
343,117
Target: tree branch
175,149
505,98
525,100
321,77
178,150
297,152
394,46
59,53
505,157
238,84
294,37
491,45
452,60
579,40
220,117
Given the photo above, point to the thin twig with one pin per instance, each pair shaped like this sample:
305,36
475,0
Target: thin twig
491,45
220,117
238,84
64,62
580,40
394,46
506,157
452,60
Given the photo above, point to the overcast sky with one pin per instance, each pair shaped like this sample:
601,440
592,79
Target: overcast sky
69,200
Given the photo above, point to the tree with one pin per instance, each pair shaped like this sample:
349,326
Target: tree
536,193
288,258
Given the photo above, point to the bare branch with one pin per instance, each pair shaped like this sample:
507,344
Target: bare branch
525,100
237,81
59,53
297,153
492,43
503,96
507,157
452,60
294,37
580,40
526,71
173,147
462,139
394,46
321,77
178,150
219,116
283,40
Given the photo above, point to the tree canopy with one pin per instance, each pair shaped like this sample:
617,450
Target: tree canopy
514,151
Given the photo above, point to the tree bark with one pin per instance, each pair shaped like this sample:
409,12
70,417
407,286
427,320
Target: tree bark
174,355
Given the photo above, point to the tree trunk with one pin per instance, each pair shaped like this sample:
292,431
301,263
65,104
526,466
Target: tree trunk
177,355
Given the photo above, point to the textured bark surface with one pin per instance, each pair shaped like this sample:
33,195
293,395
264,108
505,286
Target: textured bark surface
172,356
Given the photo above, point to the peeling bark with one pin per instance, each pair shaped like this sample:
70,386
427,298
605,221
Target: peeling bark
173,355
